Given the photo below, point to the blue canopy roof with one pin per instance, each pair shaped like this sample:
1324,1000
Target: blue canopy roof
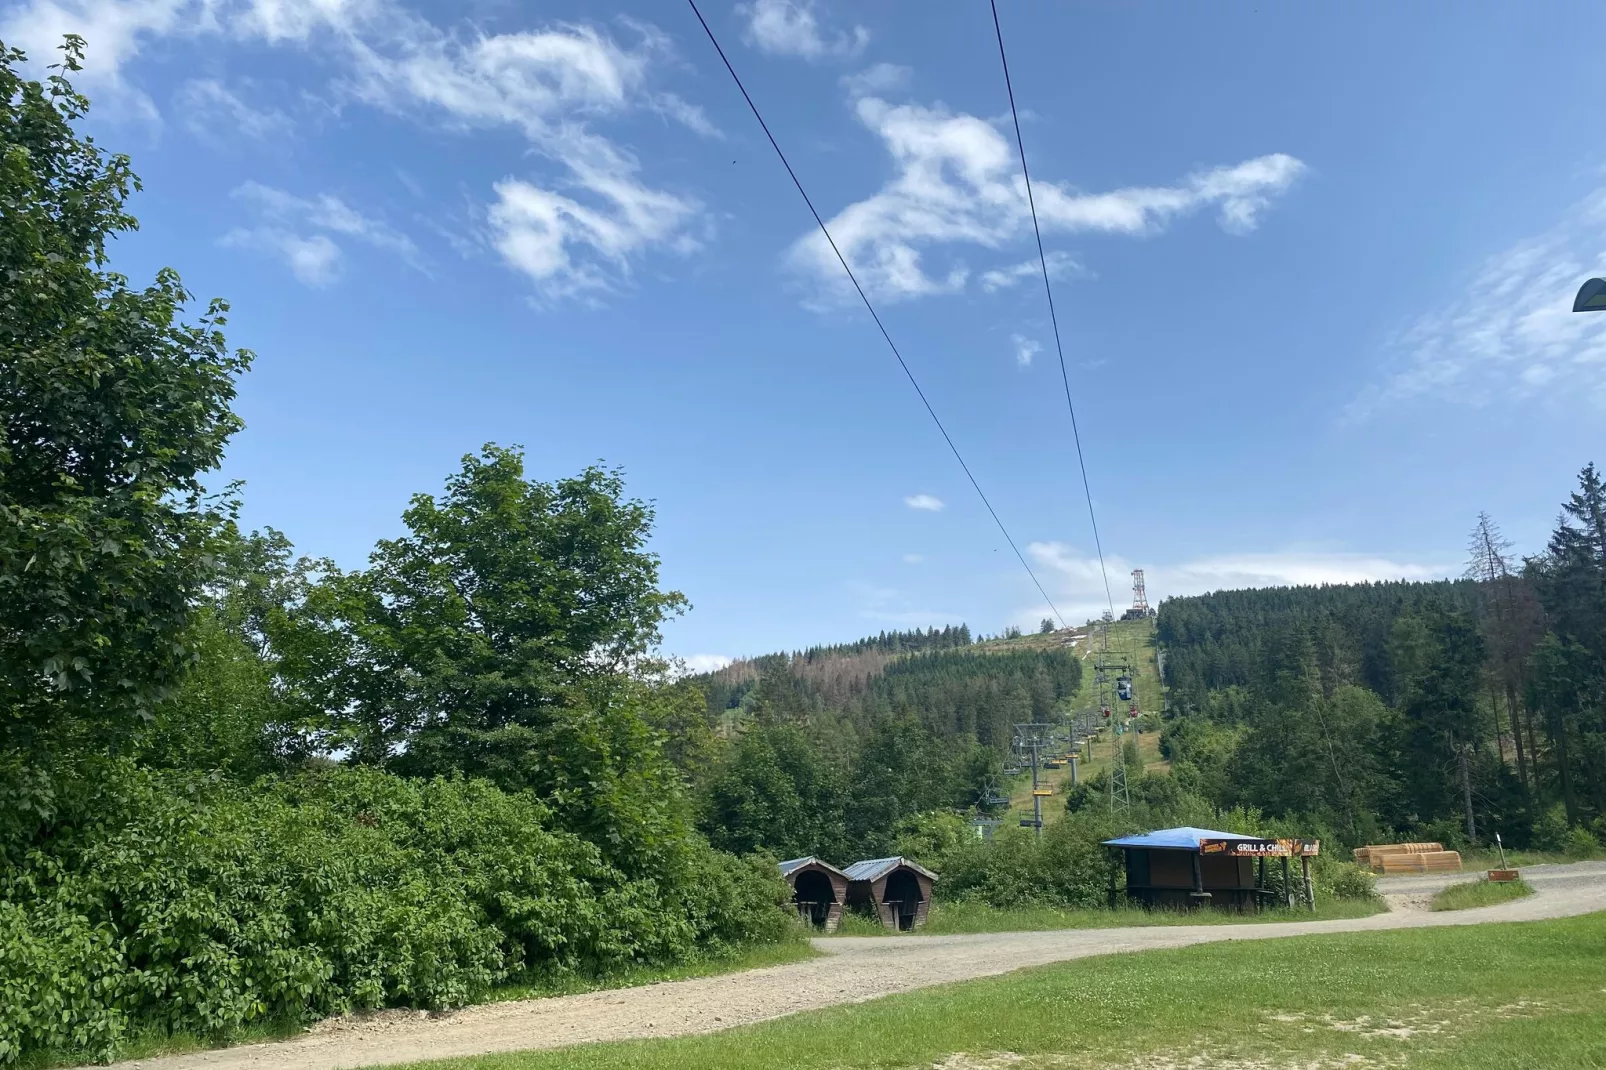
1185,838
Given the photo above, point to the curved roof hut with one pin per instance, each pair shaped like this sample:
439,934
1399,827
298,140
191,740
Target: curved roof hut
896,889
818,891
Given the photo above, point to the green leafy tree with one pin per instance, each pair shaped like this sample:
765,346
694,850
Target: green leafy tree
113,410
777,794
510,604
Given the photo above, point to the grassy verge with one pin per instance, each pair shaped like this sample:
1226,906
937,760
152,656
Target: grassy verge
1474,998
952,918
156,1043
1479,893
1480,859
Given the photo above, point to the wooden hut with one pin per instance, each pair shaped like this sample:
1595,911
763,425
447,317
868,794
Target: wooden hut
1201,867
897,890
818,891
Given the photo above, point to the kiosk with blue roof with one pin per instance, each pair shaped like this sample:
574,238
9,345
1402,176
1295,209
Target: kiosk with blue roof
1202,867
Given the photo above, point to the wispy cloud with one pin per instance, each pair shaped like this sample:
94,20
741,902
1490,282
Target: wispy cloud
1060,265
1025,349
298,230
913,559
576,230
792,28
1075,577
927,502
216,113
958,184
1513,334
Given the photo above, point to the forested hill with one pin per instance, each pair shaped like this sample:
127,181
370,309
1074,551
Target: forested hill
1246,638
1433,711
837,750
956,688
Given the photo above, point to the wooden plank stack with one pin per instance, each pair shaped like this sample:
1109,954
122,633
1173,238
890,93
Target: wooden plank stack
1393,859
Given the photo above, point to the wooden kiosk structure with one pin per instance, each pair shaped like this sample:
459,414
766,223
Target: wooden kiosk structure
1202,867
896,889
818,891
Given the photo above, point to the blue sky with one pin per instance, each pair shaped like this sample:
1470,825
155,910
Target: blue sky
1312,266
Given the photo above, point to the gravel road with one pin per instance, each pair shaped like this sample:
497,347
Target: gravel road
853,970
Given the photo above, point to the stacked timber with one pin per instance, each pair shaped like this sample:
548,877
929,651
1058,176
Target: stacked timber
1391,859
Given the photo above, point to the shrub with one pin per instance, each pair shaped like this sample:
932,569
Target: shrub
184,905
1581,843
1550,831
1337,879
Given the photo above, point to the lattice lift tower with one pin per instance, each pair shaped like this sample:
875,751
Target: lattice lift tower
1140,597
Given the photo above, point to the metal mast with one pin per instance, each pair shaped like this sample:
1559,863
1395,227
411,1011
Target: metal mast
1140,597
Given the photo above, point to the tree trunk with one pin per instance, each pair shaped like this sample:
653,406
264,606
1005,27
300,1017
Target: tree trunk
1466,793
1567,797
1516,735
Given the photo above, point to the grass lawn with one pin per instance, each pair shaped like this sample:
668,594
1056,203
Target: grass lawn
1480,893
980,918
1524,995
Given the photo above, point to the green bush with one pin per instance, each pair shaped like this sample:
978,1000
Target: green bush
1337,879
1068,867
1550,831
178,904
1581,843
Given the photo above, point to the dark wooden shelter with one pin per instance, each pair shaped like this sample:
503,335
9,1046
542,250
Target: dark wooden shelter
818,891
895,889
1201,867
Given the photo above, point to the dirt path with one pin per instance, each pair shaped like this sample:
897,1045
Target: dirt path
853,970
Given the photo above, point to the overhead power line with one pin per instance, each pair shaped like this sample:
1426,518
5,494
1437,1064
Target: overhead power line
1048,291
871,309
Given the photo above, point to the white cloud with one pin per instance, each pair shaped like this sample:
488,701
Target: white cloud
1025,349
1514,334
958,183
314,258
876,78
927,502
696,663
213,111
551,85
791,28
1075,577
1060,265
913,559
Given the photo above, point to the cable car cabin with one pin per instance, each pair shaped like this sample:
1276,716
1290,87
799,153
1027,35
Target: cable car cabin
819,890
895,889
1200,867
1123,687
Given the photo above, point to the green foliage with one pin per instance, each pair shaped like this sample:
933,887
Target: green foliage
1550,831
1067,867
1337,879
464,643
186,904
113,410
932,838
777,794
1581,843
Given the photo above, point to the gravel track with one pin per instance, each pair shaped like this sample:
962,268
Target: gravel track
852,970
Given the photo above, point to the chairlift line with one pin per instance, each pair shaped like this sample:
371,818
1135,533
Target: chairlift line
879,325
1053,317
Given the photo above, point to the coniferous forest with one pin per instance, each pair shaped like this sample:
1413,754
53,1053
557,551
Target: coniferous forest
1449,711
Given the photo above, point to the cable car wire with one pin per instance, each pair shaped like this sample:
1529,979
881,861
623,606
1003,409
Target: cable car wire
871,309
1048,291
